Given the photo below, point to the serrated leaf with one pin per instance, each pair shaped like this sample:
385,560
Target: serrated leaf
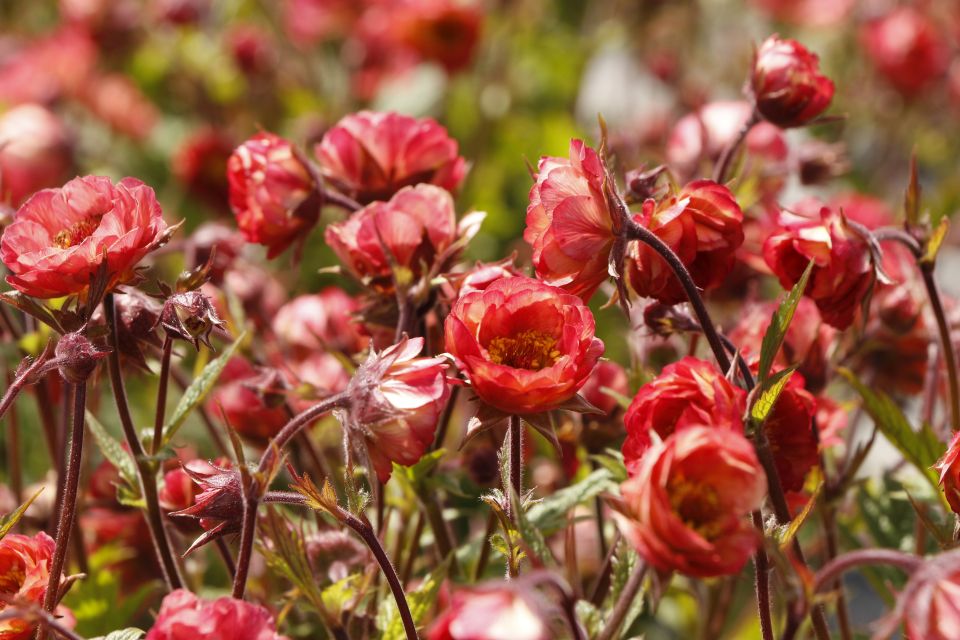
530,534
113,451
342,594
770,394
920,448
420,602
10,520
198,390
130,633
779,324
550,514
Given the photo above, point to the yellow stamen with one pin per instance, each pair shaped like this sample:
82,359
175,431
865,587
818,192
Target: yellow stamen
77,232
529,349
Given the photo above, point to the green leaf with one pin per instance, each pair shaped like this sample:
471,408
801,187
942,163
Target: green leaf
779,324
531,534
198,390
130,633
936,240
99,602
9,521
770,394
921,448
550,514
342,594
111,449
421,601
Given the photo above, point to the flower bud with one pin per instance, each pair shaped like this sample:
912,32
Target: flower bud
76,357
218,503
189,316
786,84
335,554
908,49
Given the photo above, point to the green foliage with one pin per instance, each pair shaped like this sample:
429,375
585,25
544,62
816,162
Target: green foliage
10,520
421,601
779,324
550,514
128,493
198,390
771,393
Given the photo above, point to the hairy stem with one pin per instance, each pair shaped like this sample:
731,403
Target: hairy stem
145,470
162,395
831,572
761,569
514,434
624,602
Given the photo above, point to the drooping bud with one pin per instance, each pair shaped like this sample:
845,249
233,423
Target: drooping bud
76,357
189,316
786,84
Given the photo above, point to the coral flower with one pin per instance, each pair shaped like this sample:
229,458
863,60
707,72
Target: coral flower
396,402
686,393
60,236
371,156
568,223
703,224
928,607
35,152
787,86
184,616
496,613
525,346
321,320
445,31
413,229
908,49
24,573
686,508
843,272
272,193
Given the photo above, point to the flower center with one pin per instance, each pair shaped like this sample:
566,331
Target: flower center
12,580
77,232
529,349
697,504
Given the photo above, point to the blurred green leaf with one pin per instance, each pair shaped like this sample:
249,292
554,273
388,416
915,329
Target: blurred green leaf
113,451
771,393
550,514
9,521
779,324
420,601
100,602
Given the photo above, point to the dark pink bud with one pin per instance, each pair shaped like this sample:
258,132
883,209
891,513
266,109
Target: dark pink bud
76,357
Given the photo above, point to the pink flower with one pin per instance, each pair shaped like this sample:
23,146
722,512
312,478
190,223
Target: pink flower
525,346
115,99
272,193
60,236
843,270
396,402
949,468
321,320
371,156
55,65
787,86
493,613
908,49
568,223
814,13
241,406
184,616
35,152
412,229
24,573
444,31
928,607
685,509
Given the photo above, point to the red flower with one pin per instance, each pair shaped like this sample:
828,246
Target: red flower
568,222
787,86
493,613
200,164
396,402
48,68
908,49
372,155
444,31
843,270
241,406
414,227
252,49
806,343
607,377
525,346
60,236
184,616
178,490
949,470
685,509
272,193
35,152
321,320
24,573
689,392
703,224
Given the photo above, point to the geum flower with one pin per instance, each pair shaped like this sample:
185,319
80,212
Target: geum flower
569,224
24,575
845,262
322,320
61,238
217,502
703,224
491,613
371,156
396,399
272,192
786,84
525,347
184,616
928,607
685,509
690,392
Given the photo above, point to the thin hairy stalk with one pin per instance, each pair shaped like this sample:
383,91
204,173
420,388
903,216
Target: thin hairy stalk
726,158
485,547
296,424
624,602
247,534
602,584
831,572
515,435
13,455
145,471
68,507
761,577
162,395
